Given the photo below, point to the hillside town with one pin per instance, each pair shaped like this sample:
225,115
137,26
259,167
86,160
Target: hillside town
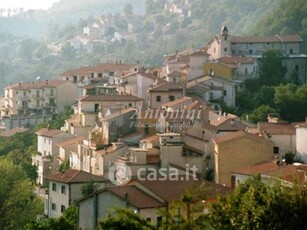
143,136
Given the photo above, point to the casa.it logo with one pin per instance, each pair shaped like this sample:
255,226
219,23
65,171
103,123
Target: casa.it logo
120,174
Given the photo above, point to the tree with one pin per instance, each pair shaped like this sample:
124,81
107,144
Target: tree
128,10
18,204
27,46
125,219
89,188
256,205
271,69
68,221
261,113
286,102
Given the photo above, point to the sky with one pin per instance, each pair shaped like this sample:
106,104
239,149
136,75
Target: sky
28,4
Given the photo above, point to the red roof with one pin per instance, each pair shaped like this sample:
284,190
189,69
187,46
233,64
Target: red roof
48,132
111,98
37,84
258,39
136,196
269,168
74,176
236,135
276,128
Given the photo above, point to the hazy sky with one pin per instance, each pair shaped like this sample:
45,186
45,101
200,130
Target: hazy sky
28,4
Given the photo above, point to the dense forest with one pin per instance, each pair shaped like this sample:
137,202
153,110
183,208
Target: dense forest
25,38
290,17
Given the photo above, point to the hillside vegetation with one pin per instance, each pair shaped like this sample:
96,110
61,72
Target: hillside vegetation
290,17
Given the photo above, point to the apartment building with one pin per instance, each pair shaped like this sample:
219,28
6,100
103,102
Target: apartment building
38,98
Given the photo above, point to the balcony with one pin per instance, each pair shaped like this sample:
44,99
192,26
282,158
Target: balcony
50,95
50,105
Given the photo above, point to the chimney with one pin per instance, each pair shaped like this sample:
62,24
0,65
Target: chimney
232,122
19,84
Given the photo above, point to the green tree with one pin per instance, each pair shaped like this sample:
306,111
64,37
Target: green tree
27,46
261,113
128,10
89,188
125,219
271,69
18,205
256,205
265,95
286,102
68,221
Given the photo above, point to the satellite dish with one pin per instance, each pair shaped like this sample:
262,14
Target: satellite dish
38,78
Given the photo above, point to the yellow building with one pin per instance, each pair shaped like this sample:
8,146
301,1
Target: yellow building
237,150
227,71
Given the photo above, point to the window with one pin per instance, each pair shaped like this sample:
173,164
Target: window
291,51
53,186
214,50
148,219
296,67
171,98
62,208
75,79
63,189
53,206
96,108
225,49
246,71
158,98
100,75
251,44
130,104
225,93
211,96
250,51
159,221
225,38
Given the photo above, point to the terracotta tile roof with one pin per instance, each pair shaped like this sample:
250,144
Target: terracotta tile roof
73,141
118,114
136,196
100,68
176,102
229,124
199,53
153,159
151,138
269,168
276,128
187,51
111,98
171,190
74,176
167,87
13,131
290,38
236,60
257,39
37,84
236,135
86,70
48,133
